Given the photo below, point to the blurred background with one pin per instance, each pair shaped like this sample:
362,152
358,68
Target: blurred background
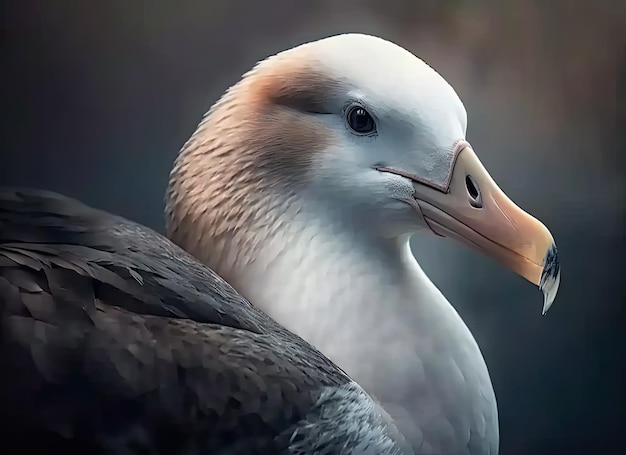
97,98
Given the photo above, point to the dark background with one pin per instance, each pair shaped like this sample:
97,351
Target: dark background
98,96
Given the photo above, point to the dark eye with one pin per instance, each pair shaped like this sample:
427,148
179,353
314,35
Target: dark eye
360,121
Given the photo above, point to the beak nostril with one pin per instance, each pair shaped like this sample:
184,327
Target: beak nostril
473,191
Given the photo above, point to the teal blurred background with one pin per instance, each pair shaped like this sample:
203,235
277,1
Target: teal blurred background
97,98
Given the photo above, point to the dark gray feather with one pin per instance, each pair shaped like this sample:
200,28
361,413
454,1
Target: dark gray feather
114,340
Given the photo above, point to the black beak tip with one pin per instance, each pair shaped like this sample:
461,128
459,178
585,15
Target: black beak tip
550,277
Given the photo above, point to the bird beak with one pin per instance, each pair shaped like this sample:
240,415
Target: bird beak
476,212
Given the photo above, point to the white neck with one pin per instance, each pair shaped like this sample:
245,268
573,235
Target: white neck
370,308
342,294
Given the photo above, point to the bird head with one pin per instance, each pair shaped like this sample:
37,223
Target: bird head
363,130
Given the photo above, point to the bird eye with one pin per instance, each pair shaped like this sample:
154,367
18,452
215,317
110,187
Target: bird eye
360,121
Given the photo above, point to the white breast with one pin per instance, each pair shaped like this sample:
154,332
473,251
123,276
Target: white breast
387,325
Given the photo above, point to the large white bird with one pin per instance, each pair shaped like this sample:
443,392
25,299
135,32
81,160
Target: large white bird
302,187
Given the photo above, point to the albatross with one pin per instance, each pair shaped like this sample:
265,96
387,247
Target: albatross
302,187
298,192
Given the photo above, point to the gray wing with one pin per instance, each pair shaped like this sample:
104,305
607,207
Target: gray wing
113,340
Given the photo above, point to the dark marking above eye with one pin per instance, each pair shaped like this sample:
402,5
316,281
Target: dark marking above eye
305,91
360,121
